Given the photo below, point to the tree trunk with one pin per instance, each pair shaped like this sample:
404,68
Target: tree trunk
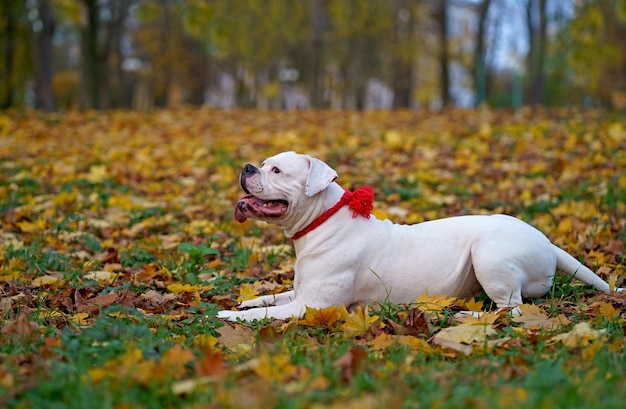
315,54
8,52
536,22
441,19
402,67
42,56
480,66
90,52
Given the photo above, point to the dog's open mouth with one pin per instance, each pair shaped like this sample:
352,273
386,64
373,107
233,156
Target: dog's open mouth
251,206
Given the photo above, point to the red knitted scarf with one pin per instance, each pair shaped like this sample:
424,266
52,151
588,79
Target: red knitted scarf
361,202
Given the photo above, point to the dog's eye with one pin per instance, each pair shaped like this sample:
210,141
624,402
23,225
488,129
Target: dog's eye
275,170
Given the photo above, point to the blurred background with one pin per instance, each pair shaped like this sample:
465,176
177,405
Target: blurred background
296,54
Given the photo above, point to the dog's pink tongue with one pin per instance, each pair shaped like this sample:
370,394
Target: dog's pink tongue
239,216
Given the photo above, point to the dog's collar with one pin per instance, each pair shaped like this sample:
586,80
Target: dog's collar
361,202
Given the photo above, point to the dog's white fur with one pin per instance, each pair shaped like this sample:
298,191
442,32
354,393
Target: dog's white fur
349,261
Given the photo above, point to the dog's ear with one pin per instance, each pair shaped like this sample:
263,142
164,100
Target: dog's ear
319,177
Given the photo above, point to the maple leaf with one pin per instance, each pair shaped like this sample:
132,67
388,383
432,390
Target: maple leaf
44,280
434,303
275,368
473,305
466,333
533,317
356,323
351,362
248,292
325,317
173,361
177,288
21,329
581,335
381,342
80,318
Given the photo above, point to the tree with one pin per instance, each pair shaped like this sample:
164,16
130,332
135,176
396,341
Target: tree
102,29
480,66
313,71
536,25
14,49
43,32
441,18
403,53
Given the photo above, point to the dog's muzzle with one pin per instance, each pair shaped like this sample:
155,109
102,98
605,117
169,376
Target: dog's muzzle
248,171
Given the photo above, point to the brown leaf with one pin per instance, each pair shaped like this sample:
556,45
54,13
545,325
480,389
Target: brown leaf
351,362
211,363
21,328
94,305
416,320
235,335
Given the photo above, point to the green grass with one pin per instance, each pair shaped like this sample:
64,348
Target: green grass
160,220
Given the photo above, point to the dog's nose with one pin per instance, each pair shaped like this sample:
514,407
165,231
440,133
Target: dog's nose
249,170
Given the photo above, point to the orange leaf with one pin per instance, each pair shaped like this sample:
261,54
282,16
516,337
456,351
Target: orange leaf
356,323
325,317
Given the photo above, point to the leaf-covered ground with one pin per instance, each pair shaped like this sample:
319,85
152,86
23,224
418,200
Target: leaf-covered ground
118,247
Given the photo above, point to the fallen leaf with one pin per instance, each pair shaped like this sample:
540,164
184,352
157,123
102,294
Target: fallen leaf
534,318
96,304
325,317
356,323
581,335
103,277
434,303
466,333
350,362
231,336
21,328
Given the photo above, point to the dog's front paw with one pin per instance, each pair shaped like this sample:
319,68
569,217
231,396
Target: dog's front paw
228,315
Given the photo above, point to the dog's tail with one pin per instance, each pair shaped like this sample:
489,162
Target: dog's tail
569,265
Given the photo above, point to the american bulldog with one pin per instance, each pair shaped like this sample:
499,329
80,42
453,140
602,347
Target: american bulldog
346,256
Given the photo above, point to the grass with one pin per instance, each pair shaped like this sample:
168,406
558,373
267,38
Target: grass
152,217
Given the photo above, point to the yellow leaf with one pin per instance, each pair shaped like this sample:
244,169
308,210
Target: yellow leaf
607,310
97,174
325,317
205,340
64,198
534,318
466,333
473,305
381,342
102,277
435,302
394,140
612,281
581,335
275,368
80,318
44,280
177,288
417,344
356,323
32,227
247,292
591,350
10,275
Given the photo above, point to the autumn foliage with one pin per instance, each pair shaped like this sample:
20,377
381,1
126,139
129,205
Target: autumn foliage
118,247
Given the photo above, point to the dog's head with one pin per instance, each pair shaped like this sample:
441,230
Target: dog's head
282,188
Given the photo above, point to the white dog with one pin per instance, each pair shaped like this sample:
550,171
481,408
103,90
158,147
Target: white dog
345,256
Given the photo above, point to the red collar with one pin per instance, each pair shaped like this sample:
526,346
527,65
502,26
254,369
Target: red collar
360,201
